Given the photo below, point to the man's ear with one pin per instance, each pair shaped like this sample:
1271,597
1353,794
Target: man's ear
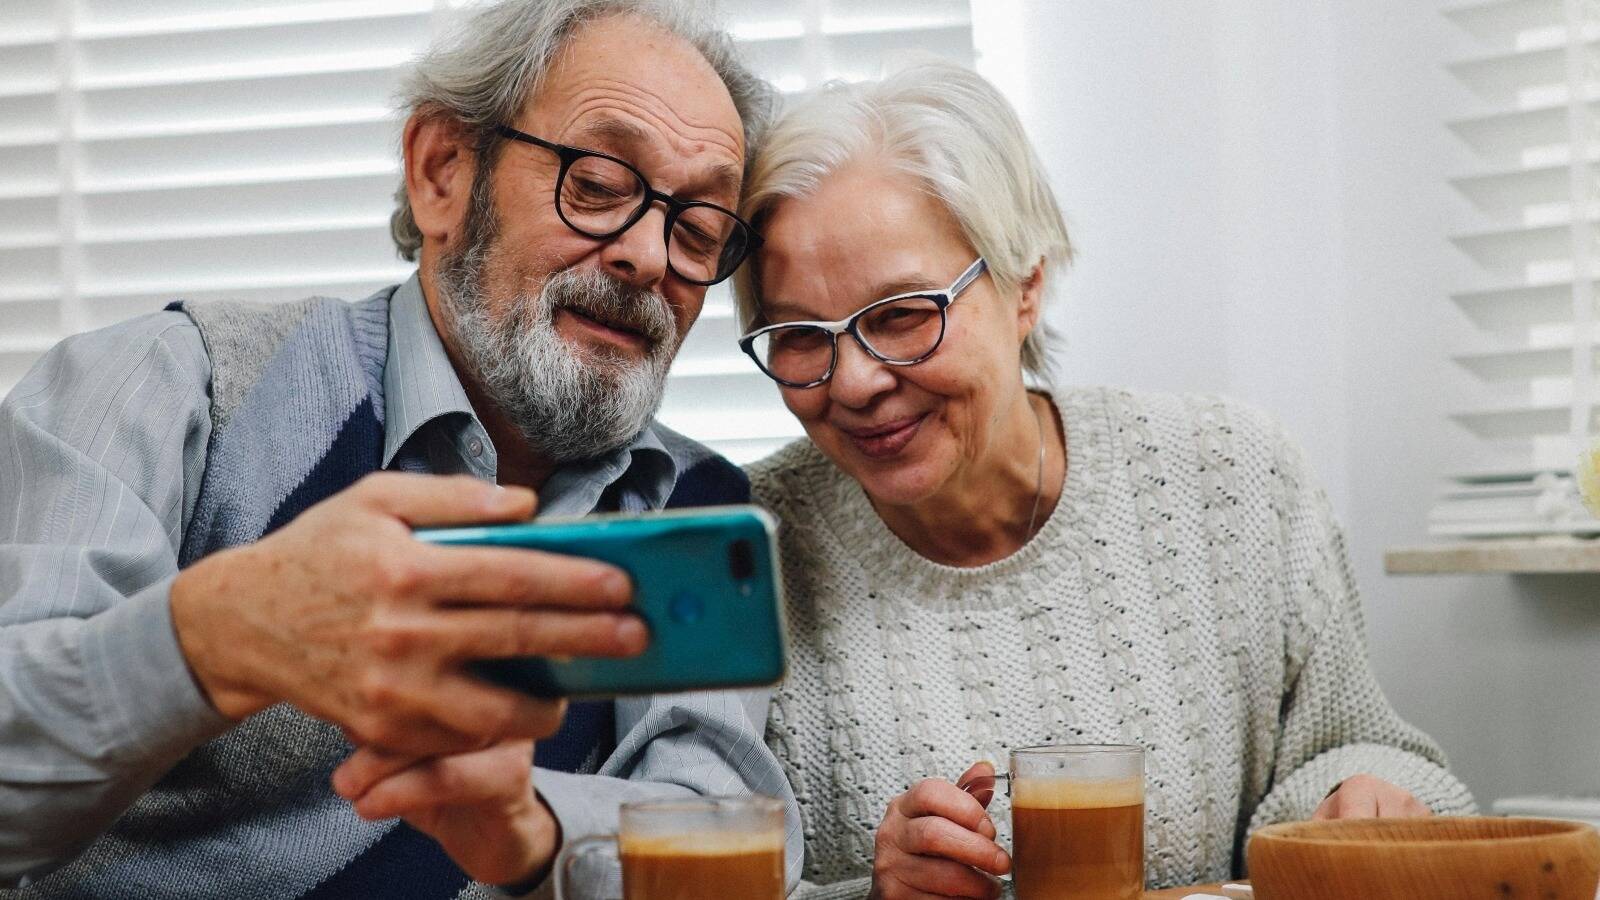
1032,303
439,167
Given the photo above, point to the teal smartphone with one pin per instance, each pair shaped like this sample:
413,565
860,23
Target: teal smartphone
705,583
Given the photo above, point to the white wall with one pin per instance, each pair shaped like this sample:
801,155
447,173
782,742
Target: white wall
1257,193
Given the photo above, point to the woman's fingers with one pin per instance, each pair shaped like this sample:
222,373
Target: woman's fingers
935,836
924,877
937,797
979,781
1370,797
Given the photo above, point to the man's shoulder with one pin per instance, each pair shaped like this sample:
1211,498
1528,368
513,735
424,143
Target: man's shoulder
705,477
101,354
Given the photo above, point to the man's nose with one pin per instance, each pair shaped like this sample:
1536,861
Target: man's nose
638,256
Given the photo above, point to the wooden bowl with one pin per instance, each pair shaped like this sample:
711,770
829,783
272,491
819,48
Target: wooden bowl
1422,859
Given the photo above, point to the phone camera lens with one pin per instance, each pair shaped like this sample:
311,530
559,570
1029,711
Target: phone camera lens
741,560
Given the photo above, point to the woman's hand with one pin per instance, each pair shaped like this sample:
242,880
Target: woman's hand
936,840
1370,797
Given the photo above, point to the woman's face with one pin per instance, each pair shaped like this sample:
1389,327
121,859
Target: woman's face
904,432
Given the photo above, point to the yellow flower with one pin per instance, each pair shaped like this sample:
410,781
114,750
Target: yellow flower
1589,478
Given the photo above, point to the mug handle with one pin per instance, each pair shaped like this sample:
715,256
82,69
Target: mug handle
576,852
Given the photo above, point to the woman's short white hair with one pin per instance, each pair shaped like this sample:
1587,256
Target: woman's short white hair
950,129
486,67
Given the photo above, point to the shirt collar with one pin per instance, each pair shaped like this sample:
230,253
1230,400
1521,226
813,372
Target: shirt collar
421,385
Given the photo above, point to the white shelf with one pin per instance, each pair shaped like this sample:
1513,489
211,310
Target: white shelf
1519,364
1517,246
1553,555
258,17
1514,188
1519,421
1518,306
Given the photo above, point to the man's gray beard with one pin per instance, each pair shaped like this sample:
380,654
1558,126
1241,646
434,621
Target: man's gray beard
569,404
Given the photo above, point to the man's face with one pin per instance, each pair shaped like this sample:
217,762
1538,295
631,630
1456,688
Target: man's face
571,336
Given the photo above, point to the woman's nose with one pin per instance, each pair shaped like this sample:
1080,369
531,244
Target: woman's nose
858,377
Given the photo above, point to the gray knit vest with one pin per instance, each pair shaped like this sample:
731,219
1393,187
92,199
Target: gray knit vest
296,408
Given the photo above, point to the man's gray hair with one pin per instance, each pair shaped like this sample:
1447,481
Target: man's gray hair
484,69
951,130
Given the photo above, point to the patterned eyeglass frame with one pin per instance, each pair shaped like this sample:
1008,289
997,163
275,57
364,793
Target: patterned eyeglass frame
847,325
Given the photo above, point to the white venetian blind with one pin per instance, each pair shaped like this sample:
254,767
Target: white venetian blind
206,149
1530,69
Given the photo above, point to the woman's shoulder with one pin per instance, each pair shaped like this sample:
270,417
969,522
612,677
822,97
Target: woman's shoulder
1168,419
797,469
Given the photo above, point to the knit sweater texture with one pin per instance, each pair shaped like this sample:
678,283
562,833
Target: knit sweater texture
1190,593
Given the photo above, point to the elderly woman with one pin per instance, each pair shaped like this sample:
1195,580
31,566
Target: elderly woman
974,564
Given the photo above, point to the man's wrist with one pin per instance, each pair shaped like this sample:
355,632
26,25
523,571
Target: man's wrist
546,844
192,589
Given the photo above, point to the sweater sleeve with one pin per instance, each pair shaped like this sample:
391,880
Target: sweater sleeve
1335,721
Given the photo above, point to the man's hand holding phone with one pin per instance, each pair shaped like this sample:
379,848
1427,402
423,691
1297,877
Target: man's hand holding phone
345,615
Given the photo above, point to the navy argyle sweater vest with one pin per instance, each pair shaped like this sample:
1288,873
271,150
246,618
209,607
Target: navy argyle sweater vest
297,415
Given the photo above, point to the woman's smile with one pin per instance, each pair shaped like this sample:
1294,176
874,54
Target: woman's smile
884,440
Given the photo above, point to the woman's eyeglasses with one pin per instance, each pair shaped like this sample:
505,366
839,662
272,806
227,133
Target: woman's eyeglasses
900,331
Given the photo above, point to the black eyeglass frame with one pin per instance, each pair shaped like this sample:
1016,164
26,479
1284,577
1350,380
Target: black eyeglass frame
675,207
848,325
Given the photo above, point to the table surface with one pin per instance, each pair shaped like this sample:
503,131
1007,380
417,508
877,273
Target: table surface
1176,893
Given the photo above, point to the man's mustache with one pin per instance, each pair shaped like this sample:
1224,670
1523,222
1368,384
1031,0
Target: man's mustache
609,301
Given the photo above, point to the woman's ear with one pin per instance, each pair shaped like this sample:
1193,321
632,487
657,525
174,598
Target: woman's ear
439,167
1032,304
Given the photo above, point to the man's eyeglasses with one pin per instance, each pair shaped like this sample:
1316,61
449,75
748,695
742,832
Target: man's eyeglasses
901,331
600,196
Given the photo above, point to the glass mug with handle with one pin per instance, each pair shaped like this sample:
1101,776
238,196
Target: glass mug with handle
1077,821
691,849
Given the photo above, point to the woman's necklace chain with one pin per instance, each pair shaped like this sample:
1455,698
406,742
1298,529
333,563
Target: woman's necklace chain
1038,490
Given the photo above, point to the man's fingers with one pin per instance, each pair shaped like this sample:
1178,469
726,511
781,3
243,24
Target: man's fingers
511,633
422,500
499,772
935,836
426,715
366,767
519,576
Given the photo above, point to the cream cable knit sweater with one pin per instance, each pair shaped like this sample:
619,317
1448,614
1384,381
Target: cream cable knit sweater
1190,593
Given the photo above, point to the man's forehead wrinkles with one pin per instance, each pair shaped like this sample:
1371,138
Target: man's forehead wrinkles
629,98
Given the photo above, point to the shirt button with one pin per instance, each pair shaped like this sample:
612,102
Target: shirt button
475,447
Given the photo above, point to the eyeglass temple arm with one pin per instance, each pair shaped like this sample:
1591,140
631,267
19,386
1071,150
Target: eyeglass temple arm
969,276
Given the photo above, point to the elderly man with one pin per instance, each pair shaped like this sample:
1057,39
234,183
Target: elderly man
208,599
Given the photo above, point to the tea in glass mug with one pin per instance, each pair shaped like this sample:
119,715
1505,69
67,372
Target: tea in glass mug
706,847
1077,822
